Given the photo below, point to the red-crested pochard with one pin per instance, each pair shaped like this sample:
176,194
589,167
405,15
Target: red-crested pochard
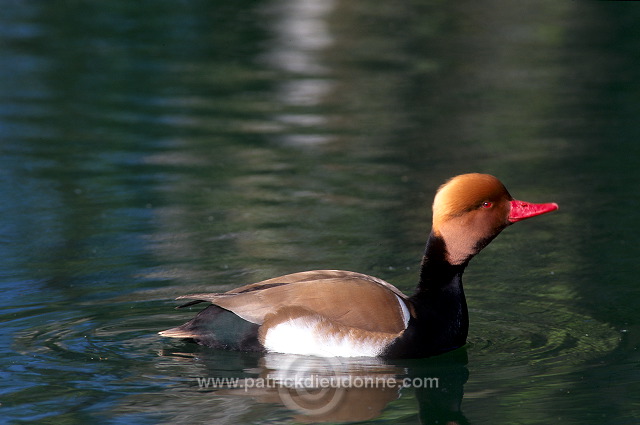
341,313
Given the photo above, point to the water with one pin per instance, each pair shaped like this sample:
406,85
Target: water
152,149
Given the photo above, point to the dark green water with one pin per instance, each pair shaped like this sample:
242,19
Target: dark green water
151,149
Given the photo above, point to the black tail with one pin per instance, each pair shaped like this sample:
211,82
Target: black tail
219,328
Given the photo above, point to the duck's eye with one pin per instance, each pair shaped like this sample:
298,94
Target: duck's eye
487,204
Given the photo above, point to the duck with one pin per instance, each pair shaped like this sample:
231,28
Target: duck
337,313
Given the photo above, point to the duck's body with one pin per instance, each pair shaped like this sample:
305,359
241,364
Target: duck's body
341,313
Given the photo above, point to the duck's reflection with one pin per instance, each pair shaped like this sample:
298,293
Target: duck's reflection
348,390
328,389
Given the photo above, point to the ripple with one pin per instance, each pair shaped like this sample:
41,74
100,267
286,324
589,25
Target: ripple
537,331
110,347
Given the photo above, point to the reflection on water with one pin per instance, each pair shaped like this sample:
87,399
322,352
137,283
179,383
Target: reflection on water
150,150
337,390
322,389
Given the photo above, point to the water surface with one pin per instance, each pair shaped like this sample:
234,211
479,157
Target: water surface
152,149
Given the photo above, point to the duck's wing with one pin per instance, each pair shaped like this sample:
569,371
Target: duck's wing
351,299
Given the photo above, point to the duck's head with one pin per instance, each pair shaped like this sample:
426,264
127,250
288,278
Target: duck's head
471,209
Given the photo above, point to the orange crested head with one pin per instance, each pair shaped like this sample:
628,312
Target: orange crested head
468,192
470,210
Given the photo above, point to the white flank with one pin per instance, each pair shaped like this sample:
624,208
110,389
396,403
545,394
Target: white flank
305,336
405,312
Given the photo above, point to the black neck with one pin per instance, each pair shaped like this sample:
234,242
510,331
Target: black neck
441,319
436,273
